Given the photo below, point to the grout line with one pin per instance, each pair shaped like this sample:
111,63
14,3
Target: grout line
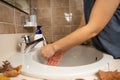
15,21
51,20
7,23
71,20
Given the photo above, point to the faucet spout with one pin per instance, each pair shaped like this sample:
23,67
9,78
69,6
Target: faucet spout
35,41
31,44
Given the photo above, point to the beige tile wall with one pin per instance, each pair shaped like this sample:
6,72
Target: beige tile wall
11,20
51,17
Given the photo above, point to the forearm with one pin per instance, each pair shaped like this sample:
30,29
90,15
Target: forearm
72,39
101,13
77,37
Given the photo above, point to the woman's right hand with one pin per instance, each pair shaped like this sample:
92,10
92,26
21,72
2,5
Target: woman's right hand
52,55
47,51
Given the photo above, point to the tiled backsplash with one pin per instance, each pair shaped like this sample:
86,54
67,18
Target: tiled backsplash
50,16
11,20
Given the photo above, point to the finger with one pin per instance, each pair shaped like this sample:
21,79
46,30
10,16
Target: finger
55,60
52,63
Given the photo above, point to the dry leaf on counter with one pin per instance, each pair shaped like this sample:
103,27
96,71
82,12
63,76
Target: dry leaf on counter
5,67
4,78
109,75
8,70
14,72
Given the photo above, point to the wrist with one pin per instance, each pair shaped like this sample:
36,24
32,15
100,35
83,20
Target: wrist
56,47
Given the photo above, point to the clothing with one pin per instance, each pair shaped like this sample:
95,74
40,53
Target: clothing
108,40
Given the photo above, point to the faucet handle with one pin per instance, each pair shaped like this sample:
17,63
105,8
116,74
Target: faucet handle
26,38
21,47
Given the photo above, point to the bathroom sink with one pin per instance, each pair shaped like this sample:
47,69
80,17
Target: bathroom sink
77,56
80,61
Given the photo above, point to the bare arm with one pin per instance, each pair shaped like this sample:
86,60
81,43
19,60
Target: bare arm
101,13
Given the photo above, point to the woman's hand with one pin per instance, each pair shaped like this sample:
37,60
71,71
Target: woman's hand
52,55
47,51
55,59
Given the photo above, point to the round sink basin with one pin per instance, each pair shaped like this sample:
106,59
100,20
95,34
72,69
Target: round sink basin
78,62
77,56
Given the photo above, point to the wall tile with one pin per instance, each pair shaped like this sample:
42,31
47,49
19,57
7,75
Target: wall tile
50,15
6,13
20,17
61,30
74,27
7,28
44,12
59,21
76,3
48,39
60,3
43,3
29,30
75,11
44,21
34,4
21,29
55,38
47,30
11,20
76,20
56,12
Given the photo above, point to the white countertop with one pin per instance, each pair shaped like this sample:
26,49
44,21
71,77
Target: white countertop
12,41
114,65
23,77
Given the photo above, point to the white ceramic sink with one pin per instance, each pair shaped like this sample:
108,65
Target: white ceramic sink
80,61
77,56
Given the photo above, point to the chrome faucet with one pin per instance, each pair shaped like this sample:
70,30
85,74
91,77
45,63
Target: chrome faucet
31,44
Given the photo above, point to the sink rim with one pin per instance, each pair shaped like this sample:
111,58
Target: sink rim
93,52
56,72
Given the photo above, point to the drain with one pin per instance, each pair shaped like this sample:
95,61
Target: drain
96,59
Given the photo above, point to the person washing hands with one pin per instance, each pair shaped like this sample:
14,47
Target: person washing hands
102,25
